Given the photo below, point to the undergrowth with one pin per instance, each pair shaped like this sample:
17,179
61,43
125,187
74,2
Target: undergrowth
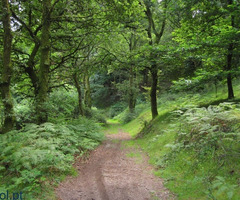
194,144
204,155
33,158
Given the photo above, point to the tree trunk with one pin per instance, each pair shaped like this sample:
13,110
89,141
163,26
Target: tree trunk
229,61
87,94
131,96
153,92
30,69
145,77
78,87
42,115
9,118
158,35
229,75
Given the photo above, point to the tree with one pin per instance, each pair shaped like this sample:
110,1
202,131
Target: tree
7,70
32,50
44,62
131,93
211,31
155,33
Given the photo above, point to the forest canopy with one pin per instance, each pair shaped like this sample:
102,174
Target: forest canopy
131,45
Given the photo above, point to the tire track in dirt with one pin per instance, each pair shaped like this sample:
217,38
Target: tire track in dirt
109,174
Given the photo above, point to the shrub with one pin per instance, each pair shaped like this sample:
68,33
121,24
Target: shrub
128,116
213,127
62,103
24,112
95,114
116,109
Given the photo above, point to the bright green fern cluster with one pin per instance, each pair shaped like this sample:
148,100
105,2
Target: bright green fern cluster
211,129
206,152
29,156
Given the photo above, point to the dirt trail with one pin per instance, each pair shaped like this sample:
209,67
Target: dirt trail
109,174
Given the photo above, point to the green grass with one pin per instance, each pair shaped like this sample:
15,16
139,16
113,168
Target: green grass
136,155
135,126
184,174
112,127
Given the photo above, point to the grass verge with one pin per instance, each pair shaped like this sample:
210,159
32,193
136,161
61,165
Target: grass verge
209,171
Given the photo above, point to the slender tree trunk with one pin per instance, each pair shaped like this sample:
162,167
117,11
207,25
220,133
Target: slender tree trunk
42,115
154,41
229,75
78,87
9,118
131,91
229,61
153,92
216,87
145,77
131,95
87,94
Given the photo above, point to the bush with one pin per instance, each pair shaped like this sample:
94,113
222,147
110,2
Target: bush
62,104
95,114
182,84
128,116
24,112
213,127
116,109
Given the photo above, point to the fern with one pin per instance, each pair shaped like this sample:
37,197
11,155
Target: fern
45,150
206,128
210,140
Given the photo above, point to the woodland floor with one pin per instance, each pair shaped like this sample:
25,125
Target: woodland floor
113,172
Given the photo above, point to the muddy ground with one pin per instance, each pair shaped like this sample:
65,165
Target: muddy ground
112,172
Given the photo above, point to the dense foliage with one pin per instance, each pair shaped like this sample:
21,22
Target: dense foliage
32,157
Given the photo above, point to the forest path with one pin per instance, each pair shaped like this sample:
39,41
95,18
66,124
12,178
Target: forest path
113,172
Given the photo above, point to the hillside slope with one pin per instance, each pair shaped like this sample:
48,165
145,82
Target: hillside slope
194,144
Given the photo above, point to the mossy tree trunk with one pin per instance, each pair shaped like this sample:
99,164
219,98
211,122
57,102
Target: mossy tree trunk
41,110
9,118
30,68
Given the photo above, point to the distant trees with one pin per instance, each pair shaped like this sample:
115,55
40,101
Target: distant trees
56,45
